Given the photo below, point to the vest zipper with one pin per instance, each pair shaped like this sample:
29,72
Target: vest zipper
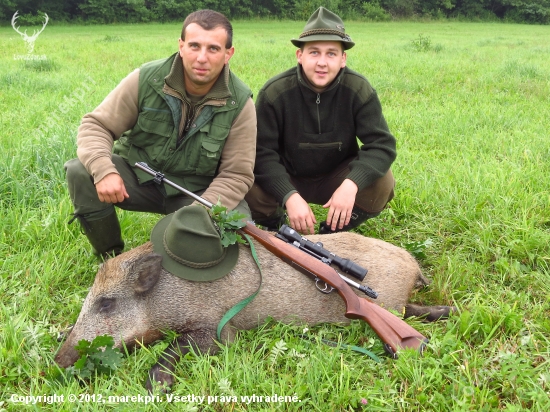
181,127
318,102
191,117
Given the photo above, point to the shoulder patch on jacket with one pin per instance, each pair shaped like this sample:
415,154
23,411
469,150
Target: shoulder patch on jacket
279,84
357,82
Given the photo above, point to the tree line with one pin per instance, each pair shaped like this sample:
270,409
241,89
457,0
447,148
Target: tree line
137,11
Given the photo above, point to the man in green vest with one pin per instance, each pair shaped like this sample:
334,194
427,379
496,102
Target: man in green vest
187,116
309,120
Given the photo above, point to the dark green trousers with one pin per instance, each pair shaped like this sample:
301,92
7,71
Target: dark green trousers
319,189
143,198
99,220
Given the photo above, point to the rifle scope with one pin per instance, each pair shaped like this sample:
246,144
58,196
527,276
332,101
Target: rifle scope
345,265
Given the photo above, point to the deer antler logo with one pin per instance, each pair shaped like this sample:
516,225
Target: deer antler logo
29,39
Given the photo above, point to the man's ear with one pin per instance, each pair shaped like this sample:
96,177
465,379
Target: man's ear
344,58
229,53
181,44
299,55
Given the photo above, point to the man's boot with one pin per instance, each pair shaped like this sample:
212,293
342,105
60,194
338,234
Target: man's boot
104,234
358,216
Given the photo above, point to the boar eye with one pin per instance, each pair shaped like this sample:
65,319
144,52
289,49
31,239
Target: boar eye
106,305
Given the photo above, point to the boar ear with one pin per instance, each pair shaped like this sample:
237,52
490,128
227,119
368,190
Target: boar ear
148,269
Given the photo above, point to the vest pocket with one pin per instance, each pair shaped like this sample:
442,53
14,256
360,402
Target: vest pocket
152,131
209,158
156,122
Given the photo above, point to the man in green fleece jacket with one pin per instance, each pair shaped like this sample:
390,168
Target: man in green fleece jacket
309,120
187,116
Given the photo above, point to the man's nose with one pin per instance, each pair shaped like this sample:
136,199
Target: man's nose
202,55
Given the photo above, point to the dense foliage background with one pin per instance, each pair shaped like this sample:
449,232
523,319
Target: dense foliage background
134,11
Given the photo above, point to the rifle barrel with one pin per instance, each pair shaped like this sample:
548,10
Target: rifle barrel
160,178
365,289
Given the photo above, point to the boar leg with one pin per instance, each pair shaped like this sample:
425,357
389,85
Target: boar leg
428,313
162,373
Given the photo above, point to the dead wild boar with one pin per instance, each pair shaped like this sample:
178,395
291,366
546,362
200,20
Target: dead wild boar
133,298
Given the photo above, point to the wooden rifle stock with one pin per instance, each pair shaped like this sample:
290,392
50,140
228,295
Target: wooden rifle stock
394,332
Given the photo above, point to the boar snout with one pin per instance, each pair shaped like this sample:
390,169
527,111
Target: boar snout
116,306
66,356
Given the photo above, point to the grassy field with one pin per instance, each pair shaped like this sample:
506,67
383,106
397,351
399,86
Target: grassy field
470,107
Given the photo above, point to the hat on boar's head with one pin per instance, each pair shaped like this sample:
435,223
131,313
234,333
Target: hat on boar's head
324,25
190,245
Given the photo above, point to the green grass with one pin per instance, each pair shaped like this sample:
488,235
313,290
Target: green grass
470,107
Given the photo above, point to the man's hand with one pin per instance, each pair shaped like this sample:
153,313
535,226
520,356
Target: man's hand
340,204
111,189
300,215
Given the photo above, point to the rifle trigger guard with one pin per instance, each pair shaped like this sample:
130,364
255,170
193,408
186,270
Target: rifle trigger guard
326,289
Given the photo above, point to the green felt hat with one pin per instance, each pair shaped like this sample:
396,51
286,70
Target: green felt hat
191,247
324,25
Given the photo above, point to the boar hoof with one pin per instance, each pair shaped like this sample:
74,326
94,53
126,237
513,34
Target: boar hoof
159,378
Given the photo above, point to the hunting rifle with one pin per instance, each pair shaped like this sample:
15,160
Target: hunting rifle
393,331
317,250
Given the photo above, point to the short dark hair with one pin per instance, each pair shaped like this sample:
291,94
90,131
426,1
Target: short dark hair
209,20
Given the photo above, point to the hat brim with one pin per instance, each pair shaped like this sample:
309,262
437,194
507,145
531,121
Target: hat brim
198,275
348,44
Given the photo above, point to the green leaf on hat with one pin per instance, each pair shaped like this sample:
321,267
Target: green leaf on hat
227,223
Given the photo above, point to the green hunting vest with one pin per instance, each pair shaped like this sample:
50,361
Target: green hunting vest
194,162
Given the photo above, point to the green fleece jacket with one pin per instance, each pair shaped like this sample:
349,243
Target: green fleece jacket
304,133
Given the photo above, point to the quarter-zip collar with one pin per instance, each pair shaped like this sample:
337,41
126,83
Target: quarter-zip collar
303,80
